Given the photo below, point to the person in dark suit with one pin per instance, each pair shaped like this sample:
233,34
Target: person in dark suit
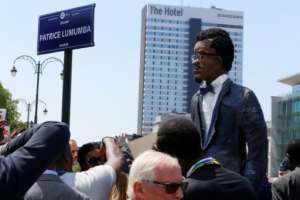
228,116
287,187
205,177
25,158
49,186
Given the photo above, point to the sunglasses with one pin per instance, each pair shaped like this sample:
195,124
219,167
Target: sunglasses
170,188
95,161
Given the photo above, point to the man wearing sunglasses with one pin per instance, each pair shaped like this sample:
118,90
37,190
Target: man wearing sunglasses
155,175
97,181
228,116
205,177
89,155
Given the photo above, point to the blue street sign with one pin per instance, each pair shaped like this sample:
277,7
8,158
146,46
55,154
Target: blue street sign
68,29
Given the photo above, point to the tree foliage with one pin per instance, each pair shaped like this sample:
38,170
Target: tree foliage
12,115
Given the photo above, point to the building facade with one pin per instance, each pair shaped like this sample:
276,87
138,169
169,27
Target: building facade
167,39
285,121
269,132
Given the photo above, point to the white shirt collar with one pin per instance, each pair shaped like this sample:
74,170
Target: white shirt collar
48,171
218,82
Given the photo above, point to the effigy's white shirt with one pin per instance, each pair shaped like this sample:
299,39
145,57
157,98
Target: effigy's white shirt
210,99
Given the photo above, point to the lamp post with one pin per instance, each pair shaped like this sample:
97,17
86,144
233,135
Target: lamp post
29,106
38,69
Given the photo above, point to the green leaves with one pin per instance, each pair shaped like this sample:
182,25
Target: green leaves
12,115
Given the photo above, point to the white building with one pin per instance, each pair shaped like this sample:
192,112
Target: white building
285,120
167,40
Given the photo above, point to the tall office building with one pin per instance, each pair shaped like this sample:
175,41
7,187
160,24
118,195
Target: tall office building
285,121
167,40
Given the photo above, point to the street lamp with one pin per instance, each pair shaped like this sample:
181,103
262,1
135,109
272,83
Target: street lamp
38,69
29,106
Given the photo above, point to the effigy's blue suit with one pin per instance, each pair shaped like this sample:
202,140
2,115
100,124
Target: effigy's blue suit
237,136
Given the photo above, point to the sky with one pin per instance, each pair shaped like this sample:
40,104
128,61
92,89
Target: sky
105,78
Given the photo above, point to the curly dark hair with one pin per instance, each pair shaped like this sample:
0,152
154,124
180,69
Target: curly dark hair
221,42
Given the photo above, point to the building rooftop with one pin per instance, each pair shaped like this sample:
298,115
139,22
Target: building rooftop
291,80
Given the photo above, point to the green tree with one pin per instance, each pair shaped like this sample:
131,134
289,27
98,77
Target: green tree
12,115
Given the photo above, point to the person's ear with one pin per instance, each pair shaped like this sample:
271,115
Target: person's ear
68,159
154,147
291,164
138,189
219,60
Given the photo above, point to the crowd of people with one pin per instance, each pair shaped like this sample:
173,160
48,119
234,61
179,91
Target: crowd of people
220,153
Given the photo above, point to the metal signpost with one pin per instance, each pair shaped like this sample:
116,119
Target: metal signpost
64,31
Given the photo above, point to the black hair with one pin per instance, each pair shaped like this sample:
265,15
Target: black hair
293,150
221,42
84,150
179,137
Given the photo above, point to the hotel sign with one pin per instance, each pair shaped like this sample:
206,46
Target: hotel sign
68,29
167,11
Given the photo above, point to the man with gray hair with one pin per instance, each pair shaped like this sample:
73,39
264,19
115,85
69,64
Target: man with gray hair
155,175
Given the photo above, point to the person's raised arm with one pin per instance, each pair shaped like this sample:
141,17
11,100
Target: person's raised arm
113,153
28,156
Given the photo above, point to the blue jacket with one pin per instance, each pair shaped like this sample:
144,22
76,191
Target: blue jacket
26,157
238,134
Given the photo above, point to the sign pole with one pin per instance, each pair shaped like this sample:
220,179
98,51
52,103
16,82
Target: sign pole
66,97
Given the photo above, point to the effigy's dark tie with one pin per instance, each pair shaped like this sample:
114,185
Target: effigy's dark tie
205,90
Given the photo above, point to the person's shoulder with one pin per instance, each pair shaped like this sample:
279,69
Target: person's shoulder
296,171
34,192
197,183
238,184
89,182
106,169
94,174
200,184
237,87
291,177
241,91
281,182
231,175
49,186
